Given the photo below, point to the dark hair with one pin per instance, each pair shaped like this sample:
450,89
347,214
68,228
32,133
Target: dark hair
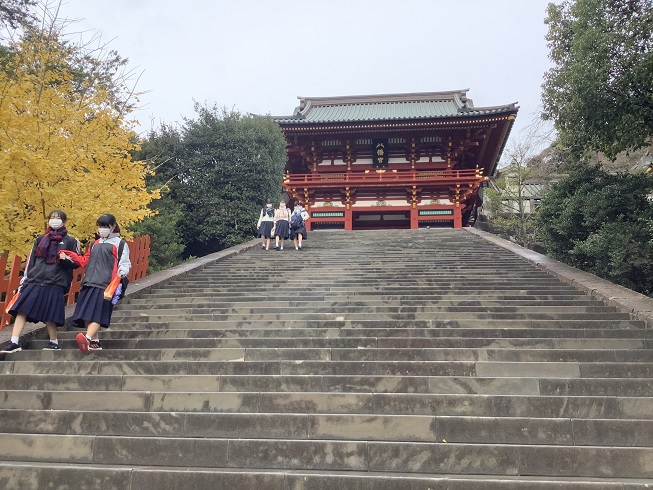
108,220
61,214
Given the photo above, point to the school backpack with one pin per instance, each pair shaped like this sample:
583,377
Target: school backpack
296,221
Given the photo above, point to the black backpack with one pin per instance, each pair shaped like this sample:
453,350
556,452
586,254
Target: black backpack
296,221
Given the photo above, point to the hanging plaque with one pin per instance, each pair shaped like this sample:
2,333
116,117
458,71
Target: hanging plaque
380,153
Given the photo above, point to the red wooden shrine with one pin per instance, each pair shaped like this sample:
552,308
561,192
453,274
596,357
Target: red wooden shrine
392,161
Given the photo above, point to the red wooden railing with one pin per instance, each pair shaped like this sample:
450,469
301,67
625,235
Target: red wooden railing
139,252
385,176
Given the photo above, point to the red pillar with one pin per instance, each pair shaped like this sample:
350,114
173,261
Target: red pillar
457,217
348,219
414,218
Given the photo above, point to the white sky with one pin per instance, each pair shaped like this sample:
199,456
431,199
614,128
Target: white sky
258,56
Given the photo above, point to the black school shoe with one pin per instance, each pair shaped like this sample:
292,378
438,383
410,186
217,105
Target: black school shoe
52,346
11,348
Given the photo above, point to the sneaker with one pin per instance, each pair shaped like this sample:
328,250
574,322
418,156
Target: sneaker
52,346
11,348
262,247
94,345
82,342
276,247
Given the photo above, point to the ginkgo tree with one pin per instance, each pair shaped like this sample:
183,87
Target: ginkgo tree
64,144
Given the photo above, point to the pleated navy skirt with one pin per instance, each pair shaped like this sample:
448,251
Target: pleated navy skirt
282,229
41,303
92,307
265,229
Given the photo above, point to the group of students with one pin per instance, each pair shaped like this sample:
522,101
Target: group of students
48,276
282,225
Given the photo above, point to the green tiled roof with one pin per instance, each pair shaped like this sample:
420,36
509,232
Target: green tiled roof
427,105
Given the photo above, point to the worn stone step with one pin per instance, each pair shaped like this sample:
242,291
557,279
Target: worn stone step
146,316
341,308
570,385
353,427
548,337
479,405
114,350
350,341
275,301
429,295
28,475
144,323
406,457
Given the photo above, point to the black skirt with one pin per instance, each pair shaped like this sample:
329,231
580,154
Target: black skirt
41,303
282,229
299,231
265,229
92,307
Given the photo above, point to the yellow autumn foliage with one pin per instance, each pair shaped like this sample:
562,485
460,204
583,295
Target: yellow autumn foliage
63,145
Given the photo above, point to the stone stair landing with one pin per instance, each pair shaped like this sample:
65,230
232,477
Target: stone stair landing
438,361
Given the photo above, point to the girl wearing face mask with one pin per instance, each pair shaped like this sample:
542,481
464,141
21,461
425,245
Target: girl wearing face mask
102,264
46,280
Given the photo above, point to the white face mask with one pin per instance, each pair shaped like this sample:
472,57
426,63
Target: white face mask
103,232
55,223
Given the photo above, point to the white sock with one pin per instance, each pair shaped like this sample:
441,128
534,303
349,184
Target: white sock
88,338
55,341
14,339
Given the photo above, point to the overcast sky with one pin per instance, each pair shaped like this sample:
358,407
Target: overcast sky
258,56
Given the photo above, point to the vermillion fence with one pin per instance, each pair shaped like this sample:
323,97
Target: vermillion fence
139,252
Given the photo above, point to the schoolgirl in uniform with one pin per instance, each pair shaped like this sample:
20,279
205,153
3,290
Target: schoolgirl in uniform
46,280
281,225
298,226
102,265
265,224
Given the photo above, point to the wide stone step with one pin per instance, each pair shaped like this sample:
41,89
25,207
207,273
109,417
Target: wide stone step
350,341
429,295
27,475
170,315
273,300
471,405
565,382
407,457
336,308
540,354
353,427
130,323
547,337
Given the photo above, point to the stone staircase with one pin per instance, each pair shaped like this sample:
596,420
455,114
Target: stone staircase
433,360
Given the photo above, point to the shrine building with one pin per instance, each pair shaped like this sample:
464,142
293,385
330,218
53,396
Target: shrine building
395,161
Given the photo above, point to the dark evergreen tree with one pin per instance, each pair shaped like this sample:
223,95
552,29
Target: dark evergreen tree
603,224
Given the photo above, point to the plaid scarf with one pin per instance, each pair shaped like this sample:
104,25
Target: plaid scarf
48,247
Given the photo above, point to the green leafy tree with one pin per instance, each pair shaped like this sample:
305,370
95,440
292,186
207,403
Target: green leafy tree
602,223
161,150
231,164
599,92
